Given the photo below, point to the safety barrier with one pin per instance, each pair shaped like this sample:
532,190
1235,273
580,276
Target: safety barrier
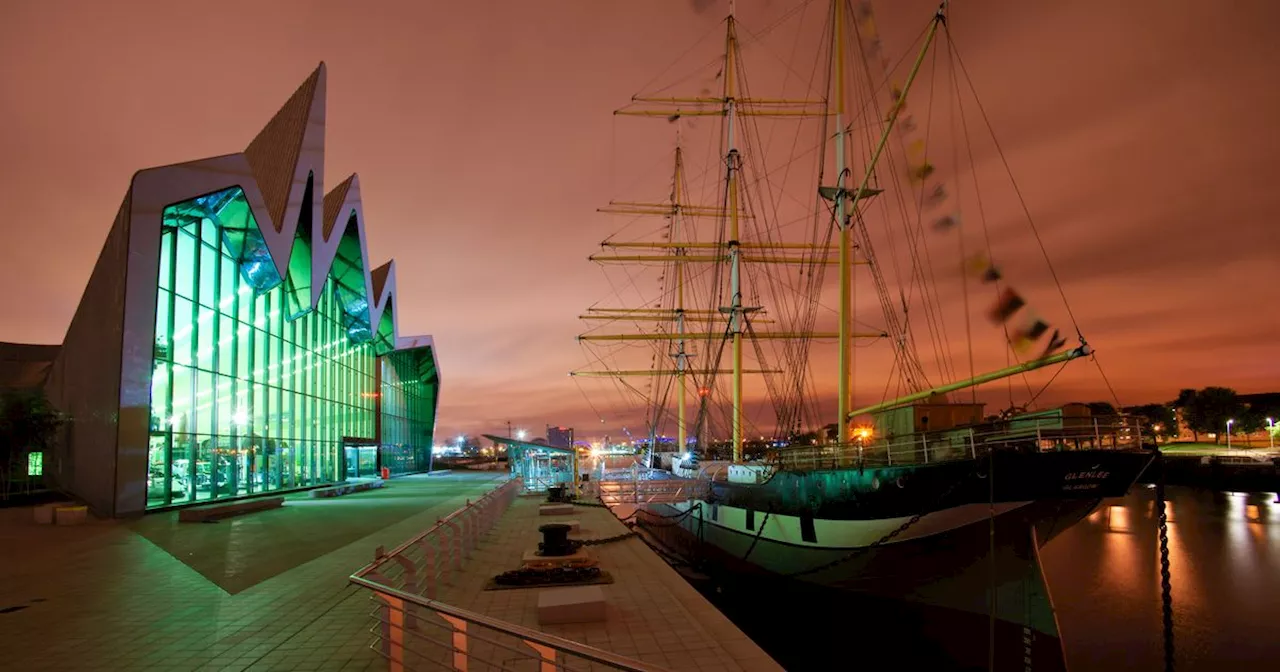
414,631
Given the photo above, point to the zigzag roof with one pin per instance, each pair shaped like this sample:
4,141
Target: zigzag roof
285,164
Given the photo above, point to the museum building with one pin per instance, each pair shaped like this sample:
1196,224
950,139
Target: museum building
233,339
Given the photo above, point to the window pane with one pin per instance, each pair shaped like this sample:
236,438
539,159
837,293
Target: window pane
207,342
166,264
184,283
183,322
208,276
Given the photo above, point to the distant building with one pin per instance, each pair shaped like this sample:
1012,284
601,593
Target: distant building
25,368
561,437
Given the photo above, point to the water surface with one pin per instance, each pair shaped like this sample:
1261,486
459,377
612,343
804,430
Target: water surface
1224,552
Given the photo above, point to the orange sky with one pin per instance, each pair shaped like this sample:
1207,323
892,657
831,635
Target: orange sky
1141,134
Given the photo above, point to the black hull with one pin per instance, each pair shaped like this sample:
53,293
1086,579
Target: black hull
944,578
942,564
854,493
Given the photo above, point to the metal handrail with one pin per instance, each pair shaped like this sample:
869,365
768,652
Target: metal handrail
441,523
560,644
926,447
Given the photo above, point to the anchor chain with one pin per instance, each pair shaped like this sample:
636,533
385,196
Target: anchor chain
608,540
1166,588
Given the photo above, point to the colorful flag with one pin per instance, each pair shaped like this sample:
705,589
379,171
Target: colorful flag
946,223
936,196
1028,334
1057,341
1008,304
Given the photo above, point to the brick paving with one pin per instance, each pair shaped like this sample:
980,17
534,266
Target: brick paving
266,591
269,591
652,614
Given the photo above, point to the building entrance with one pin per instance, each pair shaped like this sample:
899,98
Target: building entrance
361,458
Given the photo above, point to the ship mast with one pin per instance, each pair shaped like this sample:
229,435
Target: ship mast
734,251
844,221
681,356
735,308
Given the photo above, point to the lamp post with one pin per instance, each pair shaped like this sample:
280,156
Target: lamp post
1229,434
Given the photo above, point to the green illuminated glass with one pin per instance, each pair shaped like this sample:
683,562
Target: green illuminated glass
35,464
243,398
409,386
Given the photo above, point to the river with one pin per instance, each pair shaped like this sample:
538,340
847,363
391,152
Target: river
1224,553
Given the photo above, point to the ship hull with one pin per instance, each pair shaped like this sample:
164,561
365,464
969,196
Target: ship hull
943,563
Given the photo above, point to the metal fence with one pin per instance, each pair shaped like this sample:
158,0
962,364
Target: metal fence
414,631
650,491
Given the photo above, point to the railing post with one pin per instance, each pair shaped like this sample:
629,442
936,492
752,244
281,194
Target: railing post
468,530
546,654
410,585
429,568
455,545
459,642
392,631
1097,436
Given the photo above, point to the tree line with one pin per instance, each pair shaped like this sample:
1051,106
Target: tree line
1205,411
28,424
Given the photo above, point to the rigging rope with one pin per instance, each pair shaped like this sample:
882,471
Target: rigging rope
933,194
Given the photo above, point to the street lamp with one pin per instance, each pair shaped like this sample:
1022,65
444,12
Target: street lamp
1229,434
520,434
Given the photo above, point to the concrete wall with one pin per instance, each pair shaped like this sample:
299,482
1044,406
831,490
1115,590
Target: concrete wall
84,381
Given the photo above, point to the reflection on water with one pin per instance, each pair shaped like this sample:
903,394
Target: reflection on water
1224,553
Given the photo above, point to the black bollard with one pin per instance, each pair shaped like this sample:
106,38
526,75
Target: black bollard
555,540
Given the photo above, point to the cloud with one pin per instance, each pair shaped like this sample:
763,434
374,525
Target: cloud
702,6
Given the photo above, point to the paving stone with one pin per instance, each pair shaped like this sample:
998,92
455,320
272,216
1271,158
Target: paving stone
146,594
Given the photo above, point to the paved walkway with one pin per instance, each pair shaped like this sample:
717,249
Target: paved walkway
266,591
652,613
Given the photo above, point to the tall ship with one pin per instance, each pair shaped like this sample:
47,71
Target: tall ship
819,233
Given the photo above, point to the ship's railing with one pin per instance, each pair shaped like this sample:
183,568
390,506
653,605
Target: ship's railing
1032,434
414,631
649,486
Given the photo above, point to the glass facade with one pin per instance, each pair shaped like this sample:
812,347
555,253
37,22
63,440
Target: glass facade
250,391
408,410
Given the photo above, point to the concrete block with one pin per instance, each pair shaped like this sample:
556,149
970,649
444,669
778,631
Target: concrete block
44,513
579,557
574,525
71,515
555,509
579,604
